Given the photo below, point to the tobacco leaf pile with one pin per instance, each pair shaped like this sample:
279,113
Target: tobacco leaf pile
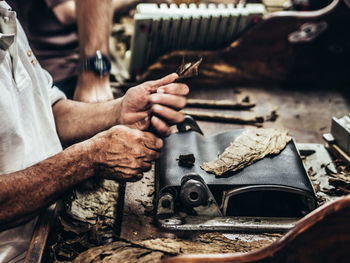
154,250
251,146
87,219
339,180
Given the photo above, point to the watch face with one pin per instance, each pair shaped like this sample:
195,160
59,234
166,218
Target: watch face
101,64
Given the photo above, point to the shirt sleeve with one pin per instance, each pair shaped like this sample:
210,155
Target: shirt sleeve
53,3
55,95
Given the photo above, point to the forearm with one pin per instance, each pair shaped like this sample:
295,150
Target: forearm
76,121
24,193
94,20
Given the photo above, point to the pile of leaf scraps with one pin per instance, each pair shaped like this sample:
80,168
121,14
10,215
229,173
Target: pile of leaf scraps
251,146
340,180
89,220
154,250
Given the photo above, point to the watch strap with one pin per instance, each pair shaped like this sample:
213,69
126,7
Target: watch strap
99,64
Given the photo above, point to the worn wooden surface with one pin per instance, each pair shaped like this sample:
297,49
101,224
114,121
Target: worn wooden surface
321,236
40,235
304,109
305,112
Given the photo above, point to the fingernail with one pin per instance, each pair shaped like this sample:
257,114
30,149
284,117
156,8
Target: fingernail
160,90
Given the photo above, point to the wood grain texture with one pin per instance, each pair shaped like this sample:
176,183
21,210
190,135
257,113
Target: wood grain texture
321,236
41,232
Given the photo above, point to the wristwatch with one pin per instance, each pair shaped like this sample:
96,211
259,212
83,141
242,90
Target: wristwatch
99,64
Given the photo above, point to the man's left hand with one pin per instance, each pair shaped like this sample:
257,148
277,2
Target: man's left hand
155,103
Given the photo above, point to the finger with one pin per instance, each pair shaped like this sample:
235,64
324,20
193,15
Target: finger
173,101
129,169
148,166
136,178
163,81
168,114
150,156
142,165
121,177
141,125
174,88
152,142
111,174
160,126
135,117
136,165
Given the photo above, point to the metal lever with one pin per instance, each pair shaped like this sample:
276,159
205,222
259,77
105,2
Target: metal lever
189,124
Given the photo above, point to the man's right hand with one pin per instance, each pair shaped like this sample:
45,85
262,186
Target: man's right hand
122,153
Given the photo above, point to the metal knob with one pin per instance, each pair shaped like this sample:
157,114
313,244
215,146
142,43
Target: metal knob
193,193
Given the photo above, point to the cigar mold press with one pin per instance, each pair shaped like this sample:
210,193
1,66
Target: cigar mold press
269,195
159,29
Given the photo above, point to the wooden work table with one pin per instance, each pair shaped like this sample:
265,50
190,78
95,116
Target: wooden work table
305,112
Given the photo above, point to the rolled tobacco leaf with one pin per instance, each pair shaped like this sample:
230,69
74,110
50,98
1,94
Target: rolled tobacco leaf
188,70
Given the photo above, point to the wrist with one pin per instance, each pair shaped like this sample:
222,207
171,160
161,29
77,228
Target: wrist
89,151
117,110
93,88
99,64
89,79
81,155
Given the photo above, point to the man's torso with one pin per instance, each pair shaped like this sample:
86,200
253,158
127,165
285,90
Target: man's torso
27,131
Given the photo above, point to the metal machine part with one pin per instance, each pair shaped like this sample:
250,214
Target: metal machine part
340,130
308,32
159,29
232,224
269,195
189,124
195,194
339,138
166,204
298,206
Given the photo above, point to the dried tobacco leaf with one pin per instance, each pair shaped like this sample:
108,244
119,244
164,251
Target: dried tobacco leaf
251,146
186,160
339,180
273,116
188,70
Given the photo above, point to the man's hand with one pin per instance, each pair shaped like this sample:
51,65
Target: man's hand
92,88
121,153
154,102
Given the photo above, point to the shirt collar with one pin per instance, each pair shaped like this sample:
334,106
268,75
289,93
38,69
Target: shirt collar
4,6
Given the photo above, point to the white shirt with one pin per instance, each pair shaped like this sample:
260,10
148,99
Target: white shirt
27,127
